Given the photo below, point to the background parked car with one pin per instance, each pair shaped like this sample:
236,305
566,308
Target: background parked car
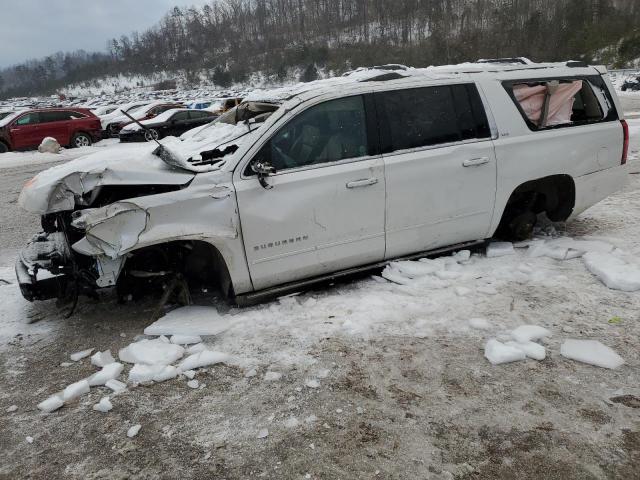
74,127
199,104
632,83
172,122
6,113
109,118
143,113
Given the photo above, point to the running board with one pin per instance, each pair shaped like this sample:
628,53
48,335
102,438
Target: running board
253,298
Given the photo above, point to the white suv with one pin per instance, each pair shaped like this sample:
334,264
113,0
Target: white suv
303,184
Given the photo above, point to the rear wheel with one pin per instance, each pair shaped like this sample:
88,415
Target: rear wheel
81,140
3,148
151,134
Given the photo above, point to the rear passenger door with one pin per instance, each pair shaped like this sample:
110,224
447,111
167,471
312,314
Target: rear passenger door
55,124
440,167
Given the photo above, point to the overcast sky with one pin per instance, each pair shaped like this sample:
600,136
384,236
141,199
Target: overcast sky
37,28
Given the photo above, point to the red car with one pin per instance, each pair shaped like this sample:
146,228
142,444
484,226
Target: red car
73,127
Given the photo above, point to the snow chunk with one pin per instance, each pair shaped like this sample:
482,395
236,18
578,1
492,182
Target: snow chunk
151,352
479,323
190,374
75,390
116,385
264,433
80,355
528,333
591,352
11,409
192,320
499,249
272,376
198,347
531,349
49,145
291,422
613,271
102,359
29,439
193,384
141,373
108,372
185,339
104,405
202,359
133,431
497,352
167,373
51,404
312,383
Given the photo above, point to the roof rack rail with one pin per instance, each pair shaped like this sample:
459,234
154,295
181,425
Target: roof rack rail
508,60
577,64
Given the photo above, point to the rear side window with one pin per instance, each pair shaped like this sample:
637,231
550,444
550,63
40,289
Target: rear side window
196,114
54,117
562,102
422,117
180,116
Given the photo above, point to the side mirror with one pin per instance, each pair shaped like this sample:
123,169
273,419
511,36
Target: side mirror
263,169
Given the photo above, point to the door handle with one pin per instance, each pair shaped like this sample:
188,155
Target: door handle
362,183
474,162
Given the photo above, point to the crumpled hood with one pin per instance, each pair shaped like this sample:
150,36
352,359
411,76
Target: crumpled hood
56,189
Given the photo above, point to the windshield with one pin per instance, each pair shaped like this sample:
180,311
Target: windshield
9,118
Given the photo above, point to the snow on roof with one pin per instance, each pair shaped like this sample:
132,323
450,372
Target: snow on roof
163,117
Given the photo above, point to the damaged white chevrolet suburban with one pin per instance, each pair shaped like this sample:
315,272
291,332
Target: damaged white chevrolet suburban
302,184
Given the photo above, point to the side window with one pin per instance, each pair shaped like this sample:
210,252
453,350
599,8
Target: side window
562,102
417,117
331,131
54,117
197,114
472,118
180,116
28,119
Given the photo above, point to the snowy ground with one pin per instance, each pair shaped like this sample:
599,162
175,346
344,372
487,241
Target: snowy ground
369,378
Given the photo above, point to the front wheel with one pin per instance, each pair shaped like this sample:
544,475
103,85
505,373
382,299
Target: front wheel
3,148
151,134
81,140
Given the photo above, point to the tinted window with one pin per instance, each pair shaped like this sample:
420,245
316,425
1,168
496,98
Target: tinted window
75,115
28,119
180,116
472,118
196,114
54,116
417,117
328,132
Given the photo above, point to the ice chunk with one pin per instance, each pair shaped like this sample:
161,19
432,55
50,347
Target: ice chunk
75,390
497,352
202,359
133,431
116,385
185,339
192,320
190,374
263,433
51,404
312,383
141,373
613,271
80,355
108,372
11,409
250,373
291,422
272,376
591,352
528,333
167,373
462,291
193,384
104,405
151,352
198,347
499,249
29,439
101,359
462,256
531,349
479,323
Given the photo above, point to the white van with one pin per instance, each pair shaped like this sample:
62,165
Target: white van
307,183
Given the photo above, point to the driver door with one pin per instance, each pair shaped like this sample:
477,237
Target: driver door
324,210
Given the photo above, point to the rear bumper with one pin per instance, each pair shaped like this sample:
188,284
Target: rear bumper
596,186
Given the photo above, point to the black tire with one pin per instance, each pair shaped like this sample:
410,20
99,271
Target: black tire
151,134
111,131
624,88
81,140
3,148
